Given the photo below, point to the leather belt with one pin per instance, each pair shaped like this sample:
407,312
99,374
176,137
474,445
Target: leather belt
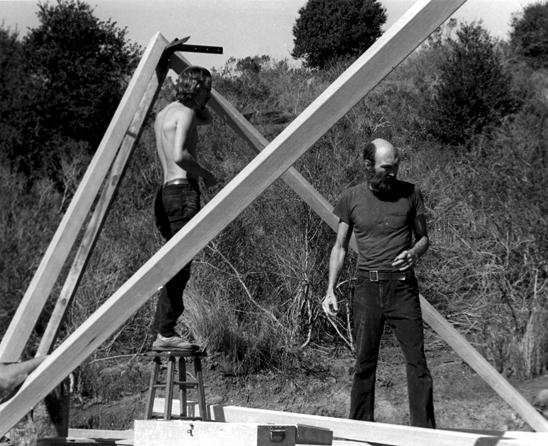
177,181
385,276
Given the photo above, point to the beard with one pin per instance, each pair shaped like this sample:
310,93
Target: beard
384,187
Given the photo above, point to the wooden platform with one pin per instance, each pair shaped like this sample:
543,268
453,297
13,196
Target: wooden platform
229,422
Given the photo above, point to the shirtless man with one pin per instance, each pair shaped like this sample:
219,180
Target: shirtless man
178,200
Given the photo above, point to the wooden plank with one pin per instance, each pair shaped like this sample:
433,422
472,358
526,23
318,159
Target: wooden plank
497,382
369,432
102,433
101,212
323,208
402,38
64,441
305,434
25,318
198,433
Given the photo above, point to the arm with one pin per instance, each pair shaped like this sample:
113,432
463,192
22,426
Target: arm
408,259
203,116
13,374
336,262
184,133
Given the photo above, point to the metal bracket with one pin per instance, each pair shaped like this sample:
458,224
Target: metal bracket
179,45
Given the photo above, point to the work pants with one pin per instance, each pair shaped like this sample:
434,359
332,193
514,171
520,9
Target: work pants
397,303
175,205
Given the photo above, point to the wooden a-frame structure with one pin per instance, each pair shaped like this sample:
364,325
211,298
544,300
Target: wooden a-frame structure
274,160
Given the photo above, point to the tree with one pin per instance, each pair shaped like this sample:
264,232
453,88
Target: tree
327,30
78,68
529,34
474,90
12,86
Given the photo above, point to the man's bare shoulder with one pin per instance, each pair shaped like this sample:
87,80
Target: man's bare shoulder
173,112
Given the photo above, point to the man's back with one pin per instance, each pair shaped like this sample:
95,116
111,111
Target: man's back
173,122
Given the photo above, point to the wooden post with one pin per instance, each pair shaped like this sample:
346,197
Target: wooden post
29,309
101,211
396,44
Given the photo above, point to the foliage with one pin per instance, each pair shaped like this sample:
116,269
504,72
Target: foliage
13,84
474,89
529,34
327,30
76,71
27,222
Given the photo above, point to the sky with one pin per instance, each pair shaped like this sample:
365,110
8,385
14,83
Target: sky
242,27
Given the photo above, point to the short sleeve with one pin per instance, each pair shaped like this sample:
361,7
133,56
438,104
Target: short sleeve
418,202
342,209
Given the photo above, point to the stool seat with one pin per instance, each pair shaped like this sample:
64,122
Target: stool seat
175,353
170,382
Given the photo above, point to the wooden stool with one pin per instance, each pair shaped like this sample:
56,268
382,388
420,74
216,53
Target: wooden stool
182,383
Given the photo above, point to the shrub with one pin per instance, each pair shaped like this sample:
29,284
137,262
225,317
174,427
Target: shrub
344,29
474,89
529,34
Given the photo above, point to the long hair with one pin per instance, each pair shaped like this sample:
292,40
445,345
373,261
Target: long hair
189,83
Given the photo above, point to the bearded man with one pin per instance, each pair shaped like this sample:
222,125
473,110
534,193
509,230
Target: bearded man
387,218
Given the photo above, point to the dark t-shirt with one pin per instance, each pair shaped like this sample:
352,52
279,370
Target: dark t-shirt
383,229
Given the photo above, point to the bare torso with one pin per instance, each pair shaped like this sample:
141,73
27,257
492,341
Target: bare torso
165,126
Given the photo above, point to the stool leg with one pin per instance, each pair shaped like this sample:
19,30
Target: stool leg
151,389
201,391
182,387
169,388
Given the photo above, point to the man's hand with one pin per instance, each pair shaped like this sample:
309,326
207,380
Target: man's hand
330,305
406,260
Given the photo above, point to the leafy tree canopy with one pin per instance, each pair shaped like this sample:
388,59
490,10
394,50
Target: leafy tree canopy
529,34
77,69
327,30
12,84
474,89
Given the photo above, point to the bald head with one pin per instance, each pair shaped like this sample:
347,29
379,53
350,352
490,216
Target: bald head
384,148
381,165
378,147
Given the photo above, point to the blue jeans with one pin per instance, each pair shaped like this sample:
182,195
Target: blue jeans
397,303
174,206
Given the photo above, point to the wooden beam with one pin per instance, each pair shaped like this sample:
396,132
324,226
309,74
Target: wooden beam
396,44
387,434
101,211
323,208
33,301
497,382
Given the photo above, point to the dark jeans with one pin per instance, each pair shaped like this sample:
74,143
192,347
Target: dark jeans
174,206
397,303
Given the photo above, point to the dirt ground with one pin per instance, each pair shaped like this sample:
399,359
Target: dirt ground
462,399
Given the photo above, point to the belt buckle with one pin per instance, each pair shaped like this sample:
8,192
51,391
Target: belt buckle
374,276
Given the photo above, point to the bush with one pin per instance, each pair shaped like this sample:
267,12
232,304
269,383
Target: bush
529,34
327,30
474,90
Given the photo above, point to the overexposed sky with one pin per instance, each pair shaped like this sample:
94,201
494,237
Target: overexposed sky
242,27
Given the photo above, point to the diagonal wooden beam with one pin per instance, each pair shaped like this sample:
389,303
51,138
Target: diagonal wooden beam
396,44
101,211
33,301
432,317
378,433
